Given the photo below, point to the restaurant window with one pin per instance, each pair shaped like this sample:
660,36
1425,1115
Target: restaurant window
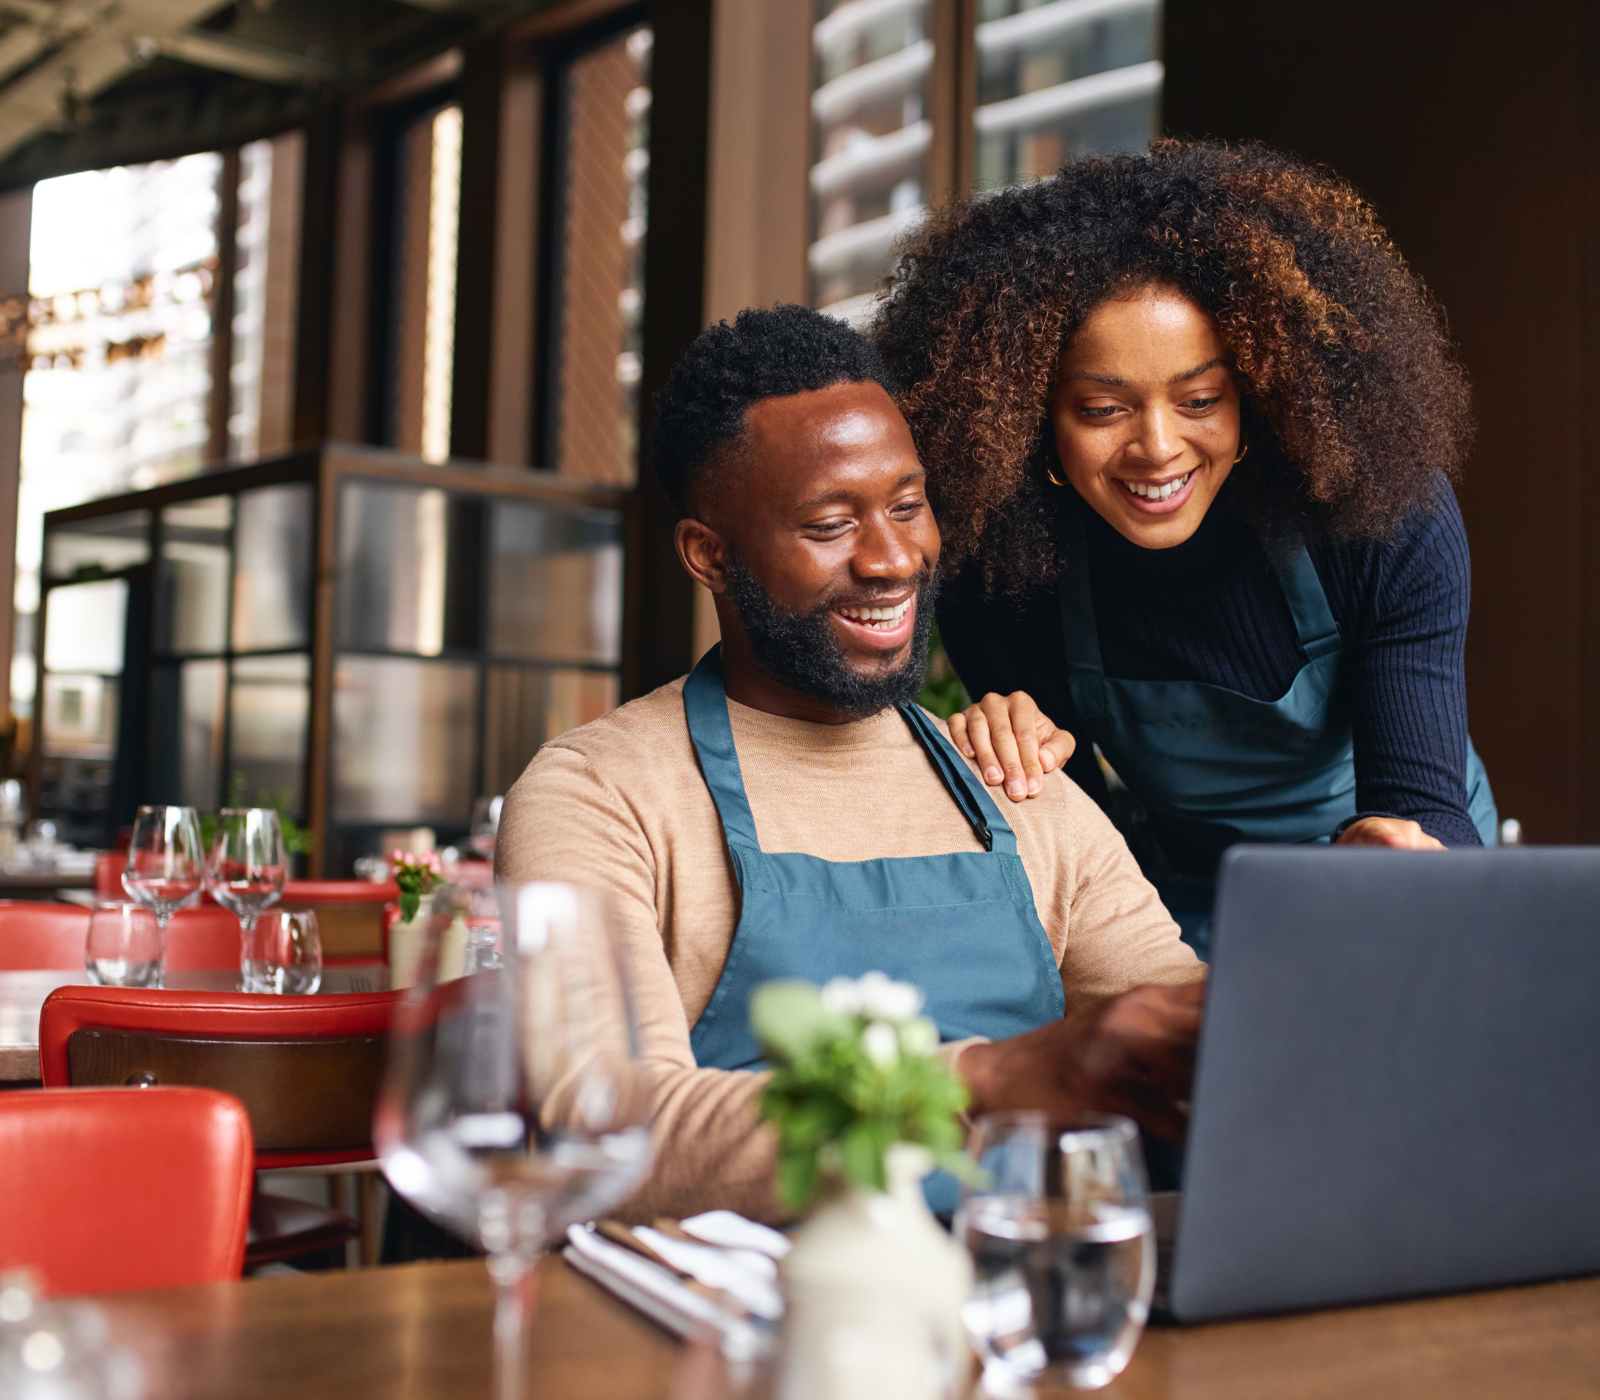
1051,81
121,390
426,192
597,170
1062,80
870,110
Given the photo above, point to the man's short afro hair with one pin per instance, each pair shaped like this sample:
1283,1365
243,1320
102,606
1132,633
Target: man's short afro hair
764,354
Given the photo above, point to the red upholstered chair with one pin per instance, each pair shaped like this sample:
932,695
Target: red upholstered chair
42,936
52,936
107,1189
305,1068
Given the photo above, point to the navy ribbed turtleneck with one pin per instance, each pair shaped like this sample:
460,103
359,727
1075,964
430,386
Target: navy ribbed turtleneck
1212,610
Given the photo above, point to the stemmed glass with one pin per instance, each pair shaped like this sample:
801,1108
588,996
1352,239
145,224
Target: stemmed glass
1063,1249
166,865
485,826
513,1103
245,870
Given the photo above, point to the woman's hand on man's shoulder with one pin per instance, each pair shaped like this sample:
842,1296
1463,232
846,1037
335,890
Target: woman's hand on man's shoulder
1013,742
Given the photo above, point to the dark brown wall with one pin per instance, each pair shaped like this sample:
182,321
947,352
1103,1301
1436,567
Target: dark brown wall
1469,127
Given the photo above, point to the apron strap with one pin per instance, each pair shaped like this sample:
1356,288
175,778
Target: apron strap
705,704
976,805
1308,603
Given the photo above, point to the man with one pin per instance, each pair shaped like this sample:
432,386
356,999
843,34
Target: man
789,812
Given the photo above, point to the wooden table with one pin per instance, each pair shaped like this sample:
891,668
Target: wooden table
421,1331
22,994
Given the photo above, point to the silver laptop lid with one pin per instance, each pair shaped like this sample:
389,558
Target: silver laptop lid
1398,1087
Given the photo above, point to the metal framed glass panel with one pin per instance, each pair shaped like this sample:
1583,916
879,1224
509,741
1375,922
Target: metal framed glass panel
556,582
393,547
269,714
272,568
102,545
192,588
404,735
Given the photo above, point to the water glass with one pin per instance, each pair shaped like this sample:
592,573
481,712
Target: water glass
283,954
124,946
1063,1249
246,868
165,871
513,1102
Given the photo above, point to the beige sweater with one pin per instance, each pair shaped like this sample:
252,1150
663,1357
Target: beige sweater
620,804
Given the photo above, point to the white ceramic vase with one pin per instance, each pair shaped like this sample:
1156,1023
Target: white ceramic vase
874,1290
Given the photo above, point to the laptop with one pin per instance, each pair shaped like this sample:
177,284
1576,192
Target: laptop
1398,1084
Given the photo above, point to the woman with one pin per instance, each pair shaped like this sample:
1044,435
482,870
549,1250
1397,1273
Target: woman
1189,422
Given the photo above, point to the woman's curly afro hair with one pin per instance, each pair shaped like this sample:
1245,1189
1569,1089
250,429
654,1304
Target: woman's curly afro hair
1353,403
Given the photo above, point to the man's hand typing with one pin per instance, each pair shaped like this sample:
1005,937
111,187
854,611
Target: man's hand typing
1131,1054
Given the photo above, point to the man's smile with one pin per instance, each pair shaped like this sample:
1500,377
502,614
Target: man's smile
878,626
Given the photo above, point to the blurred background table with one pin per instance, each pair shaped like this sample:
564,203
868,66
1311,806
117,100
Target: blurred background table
23,993
422,1331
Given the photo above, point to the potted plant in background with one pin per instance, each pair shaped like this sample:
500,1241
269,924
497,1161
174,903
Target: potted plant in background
864,1108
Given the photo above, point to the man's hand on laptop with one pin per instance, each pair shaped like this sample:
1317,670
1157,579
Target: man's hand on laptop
1130,1054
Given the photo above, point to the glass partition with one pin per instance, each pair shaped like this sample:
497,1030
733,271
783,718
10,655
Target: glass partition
404,734
98,546
392,561
269,711
272,568
192,596
556,587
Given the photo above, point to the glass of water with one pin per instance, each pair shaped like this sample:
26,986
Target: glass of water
1063,1248
283,953
514,1104
124,946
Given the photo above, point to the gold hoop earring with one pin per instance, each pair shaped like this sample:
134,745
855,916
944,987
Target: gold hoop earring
1243,449
1050,472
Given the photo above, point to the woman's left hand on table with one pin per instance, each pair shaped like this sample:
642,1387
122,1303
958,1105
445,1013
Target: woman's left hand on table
1013,742
1395,832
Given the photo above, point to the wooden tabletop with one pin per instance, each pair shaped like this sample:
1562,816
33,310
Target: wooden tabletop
422,1331
22,994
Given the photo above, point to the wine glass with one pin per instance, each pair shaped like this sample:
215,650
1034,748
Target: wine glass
283,953
513,1103
245,870
1063,1249
166,864
485,826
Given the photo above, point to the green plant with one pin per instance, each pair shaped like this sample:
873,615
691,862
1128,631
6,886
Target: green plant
855,1070
297,840
416,876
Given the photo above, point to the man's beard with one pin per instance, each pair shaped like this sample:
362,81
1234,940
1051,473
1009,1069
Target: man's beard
803,651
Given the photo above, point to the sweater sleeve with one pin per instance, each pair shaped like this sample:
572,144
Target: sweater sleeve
1405,605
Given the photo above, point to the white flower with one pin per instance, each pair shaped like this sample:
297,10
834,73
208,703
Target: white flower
881,1045
886,1000
841,997
919,1036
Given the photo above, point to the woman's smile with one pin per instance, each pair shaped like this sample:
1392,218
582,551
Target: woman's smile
1161,497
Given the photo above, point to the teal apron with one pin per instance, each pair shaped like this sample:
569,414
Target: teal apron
1211,767
962,926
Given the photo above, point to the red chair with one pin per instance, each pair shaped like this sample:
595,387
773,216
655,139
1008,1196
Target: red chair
53,935
306,1069
109,1189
